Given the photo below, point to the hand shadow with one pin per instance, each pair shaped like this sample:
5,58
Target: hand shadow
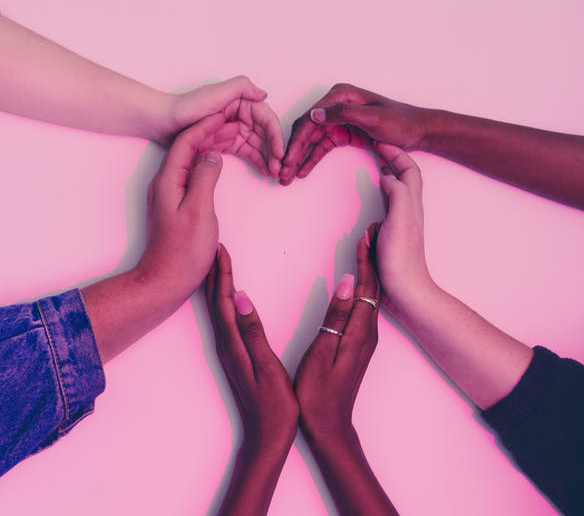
199,305
371,210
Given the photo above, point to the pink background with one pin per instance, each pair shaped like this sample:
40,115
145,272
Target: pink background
71,206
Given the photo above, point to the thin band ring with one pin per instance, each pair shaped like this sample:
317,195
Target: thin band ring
372,302
330,330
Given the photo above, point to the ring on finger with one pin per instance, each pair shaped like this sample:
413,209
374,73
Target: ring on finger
372,302
330,330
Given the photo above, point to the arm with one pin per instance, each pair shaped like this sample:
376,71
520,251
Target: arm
327,383
482,360
182,240
262,390
547,163
43,80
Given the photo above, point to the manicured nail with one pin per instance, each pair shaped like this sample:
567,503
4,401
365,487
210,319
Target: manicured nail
345,288
367,238
318,115
212,157
242,303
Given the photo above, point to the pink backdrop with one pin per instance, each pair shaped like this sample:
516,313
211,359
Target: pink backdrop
71,206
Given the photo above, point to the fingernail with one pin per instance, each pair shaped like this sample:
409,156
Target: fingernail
242,303
212,157
367,238
318,115
345,288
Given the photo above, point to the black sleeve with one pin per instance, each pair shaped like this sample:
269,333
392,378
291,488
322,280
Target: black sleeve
541,422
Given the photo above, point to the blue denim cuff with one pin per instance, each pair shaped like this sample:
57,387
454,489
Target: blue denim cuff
74,353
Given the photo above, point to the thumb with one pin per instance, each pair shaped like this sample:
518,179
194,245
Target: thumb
238,87
203,179
345,113
393,189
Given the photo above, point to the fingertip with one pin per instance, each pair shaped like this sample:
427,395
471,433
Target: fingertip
302,173
275,167
318,115
242,302
345,287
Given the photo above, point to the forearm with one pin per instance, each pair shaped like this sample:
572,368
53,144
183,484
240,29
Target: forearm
351,482
254,480
544,162
43,80
125,307
482,360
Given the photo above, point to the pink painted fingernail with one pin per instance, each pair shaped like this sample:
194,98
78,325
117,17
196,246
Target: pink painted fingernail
367,238
242,303
345,288
318,115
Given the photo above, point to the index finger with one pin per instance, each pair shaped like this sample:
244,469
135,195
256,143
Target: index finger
184,148
302,135
300,139
234,352
305,132
361,331
267,120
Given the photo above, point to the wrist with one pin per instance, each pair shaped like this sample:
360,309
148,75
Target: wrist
275,446
433,123
325,442
166,285
160,124
404,302
322,433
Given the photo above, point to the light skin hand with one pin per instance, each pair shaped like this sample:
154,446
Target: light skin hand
327,383
79,93
482,360
182,241
261,388
348,115
259,139
401,258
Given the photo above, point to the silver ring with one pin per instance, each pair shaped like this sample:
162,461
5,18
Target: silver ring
330,330
372,302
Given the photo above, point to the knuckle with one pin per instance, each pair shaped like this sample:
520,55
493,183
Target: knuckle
252,330
374,118
340,110
369,283
337,316
341,86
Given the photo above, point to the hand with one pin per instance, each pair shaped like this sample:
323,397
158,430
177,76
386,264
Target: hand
260,384
348,115
182,225
401,260
259,139
331,371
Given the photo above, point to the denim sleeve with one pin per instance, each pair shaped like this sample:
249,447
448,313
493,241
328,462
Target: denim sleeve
50,373
541,422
